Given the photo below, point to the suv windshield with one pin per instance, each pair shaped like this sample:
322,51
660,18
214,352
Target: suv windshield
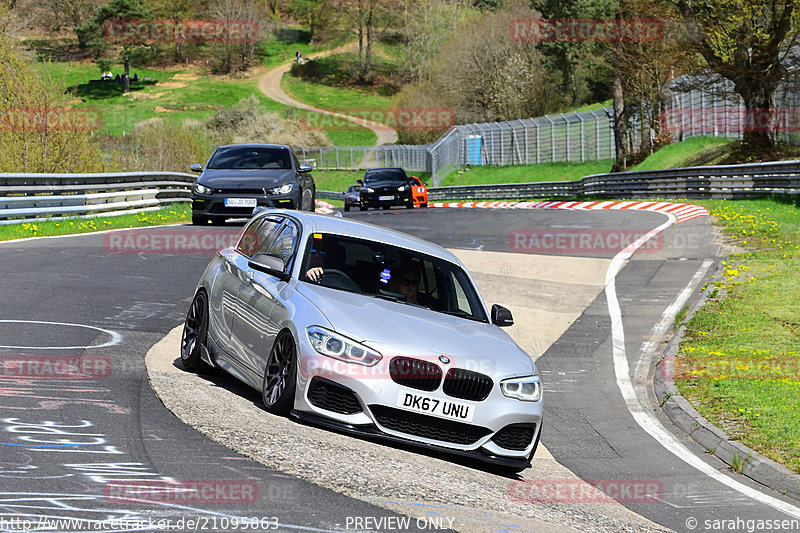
251,157
391,273
394,175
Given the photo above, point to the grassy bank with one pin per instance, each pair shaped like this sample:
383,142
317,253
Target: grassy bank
169,214
739,363
174,95
480,175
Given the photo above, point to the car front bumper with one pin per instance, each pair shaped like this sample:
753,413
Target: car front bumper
213,205
377,396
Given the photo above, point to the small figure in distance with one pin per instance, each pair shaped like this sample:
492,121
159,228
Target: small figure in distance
406,281
299,57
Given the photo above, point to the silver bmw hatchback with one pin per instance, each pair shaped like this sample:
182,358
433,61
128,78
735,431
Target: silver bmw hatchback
366,330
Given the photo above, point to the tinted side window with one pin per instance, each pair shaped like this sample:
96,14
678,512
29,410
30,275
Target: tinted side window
257,235
283,245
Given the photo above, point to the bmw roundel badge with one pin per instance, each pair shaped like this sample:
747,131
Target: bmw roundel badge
444,359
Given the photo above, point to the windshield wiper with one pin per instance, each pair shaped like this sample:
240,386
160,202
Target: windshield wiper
463,314
391,298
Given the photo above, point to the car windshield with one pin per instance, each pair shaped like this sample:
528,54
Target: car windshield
391,273
251,157
394,175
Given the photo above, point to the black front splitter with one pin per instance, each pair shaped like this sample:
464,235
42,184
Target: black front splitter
371,432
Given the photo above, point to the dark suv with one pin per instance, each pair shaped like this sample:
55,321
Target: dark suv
239,177
386,187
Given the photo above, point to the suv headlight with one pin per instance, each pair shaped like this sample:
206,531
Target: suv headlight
367,189
527,389
202,189
401,188
339,347
283,189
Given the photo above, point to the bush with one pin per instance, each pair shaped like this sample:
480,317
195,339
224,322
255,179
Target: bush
39,130
159,145
244,122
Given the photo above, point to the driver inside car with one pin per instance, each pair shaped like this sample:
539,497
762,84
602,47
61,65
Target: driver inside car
323,255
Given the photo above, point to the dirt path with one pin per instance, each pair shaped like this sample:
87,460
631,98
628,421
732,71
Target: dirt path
270,85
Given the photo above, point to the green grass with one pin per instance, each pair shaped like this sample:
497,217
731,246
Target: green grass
485,174
739,363
174,95
589,107
169,214
340,180
332,88
691,152
281,45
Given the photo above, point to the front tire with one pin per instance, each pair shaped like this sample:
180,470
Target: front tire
347,207
195,333
307,200
199,220
280,376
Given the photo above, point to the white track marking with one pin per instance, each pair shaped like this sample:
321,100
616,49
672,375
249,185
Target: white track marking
644,417
116,338
643,366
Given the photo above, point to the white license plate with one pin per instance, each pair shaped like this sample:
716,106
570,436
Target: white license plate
385,198
240,202
435,406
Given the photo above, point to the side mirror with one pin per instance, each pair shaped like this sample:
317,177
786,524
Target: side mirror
501,316
360,182
197,167
305,168
269,264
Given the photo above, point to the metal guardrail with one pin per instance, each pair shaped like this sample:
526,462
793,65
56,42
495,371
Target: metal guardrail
719,182
29,197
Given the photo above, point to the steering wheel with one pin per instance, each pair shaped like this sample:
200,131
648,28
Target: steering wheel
338,280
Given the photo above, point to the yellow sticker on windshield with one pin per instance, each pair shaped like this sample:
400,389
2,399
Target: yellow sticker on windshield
317,235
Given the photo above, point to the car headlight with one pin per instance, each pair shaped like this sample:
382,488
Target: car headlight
334,345
283,189
202,189
367,189
527,389
401,188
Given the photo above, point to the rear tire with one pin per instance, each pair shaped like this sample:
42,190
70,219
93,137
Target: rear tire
424,205
347,207
195,333
280,376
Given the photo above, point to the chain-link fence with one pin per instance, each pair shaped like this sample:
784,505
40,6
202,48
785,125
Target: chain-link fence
566,137
696,106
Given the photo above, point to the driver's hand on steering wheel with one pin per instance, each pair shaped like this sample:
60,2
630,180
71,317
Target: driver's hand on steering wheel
315,274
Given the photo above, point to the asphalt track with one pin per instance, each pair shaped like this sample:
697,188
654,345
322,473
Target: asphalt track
64,440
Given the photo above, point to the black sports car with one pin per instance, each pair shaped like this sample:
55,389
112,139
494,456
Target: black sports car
239,177
352,197
386,187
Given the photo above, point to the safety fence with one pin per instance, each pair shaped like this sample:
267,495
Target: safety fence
27,197
566,137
